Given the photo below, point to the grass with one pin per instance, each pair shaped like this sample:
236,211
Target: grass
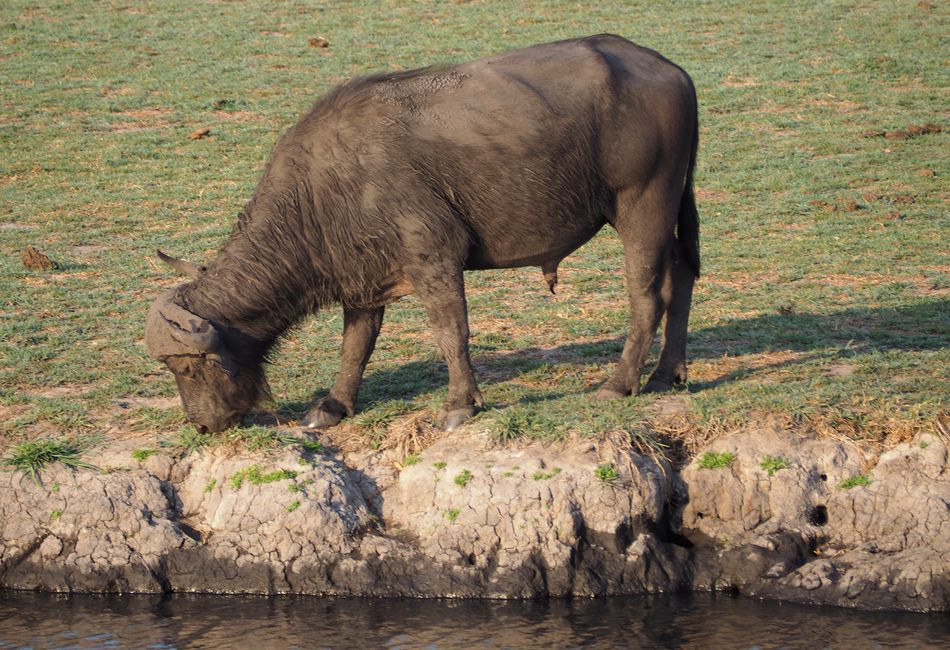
462,478
452,514
32,456
713,460
255,475
142,454
824,296
544,476
772,464
859,480
607,473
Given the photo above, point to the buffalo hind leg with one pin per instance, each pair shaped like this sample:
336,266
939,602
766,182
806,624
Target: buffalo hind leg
442,291
671,368
360,329
645,226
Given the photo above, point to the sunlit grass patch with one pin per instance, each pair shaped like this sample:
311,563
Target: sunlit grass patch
32,456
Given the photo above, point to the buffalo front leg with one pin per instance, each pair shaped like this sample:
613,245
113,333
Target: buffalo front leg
443,294
360,329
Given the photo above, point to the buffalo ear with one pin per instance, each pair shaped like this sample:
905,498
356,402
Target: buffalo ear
186,268
172,330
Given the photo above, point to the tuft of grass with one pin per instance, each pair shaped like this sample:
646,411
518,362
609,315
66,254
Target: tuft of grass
56,514
141,454
607,473
713,460
293,505
452,514
439,465
463,477
209,486
858,480
772,464
32,456
410,460
255,476
544,476
189,441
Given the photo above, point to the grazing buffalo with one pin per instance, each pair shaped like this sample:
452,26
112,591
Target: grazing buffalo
397,183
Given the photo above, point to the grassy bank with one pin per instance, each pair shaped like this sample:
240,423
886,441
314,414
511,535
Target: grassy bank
824,212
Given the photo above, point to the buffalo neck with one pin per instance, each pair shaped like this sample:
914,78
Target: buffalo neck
256,292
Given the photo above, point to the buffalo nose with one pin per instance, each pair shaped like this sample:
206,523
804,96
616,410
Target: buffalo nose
201,428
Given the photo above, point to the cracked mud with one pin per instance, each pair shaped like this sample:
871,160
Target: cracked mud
468,520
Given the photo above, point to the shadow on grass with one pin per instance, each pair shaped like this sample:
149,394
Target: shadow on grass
924,326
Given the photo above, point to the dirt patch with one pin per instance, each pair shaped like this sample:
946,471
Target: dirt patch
912,131
66,390
158,403
711,195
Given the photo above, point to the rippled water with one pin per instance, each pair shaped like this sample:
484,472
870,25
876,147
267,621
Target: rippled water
697,621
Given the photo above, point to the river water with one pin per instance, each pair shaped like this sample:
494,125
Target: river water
707,621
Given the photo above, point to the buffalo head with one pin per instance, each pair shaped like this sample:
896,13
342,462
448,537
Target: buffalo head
217,389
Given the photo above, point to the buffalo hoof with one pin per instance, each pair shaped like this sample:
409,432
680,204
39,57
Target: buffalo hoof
657,386
608,393
449,420
320,418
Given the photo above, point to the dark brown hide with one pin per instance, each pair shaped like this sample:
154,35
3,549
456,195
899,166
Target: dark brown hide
398,183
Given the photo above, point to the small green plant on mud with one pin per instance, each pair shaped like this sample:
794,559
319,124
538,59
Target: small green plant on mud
858,480
544,476
210,485
256,476
452,514
293,505
607,473
772,464
410,460
463,478
56,514
439,465
141,454
713,460
32,456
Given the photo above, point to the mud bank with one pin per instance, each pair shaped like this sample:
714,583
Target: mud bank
468,520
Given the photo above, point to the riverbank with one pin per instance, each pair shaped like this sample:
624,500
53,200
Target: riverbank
764,511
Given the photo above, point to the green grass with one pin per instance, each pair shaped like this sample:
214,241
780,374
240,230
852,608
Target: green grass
452,514
32,456
544,476
859,480
142,454
714,460
439,465
209,486
607,473
410,460
462,478
832,314
293,505
772,464
255,475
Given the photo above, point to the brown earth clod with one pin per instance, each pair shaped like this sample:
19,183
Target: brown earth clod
33,258
198,134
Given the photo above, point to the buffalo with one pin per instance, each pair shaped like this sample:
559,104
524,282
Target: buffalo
398,183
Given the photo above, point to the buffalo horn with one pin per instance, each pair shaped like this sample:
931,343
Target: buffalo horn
187,268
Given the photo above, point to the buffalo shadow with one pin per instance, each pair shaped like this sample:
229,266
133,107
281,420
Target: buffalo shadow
839,335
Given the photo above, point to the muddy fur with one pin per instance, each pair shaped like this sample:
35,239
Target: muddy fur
396,183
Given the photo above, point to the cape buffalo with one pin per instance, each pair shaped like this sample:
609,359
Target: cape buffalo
397,183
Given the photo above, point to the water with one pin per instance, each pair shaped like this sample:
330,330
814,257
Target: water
704,621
